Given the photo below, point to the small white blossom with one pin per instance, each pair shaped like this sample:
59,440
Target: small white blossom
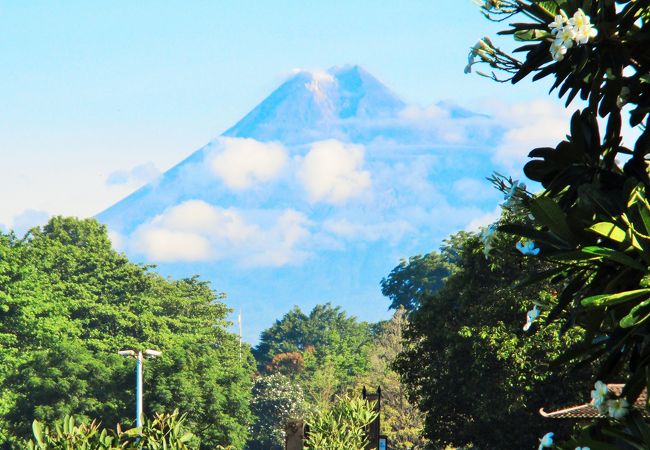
583,34
471,57
530,317
546,441
511,196
558,50
565,36
583,448
576,30
487,237
618,408
579,19
560,21
527,248
489,4
599,396
482,49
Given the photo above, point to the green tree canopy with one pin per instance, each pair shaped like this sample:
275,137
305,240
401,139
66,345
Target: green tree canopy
401,420
592,217
479,378
68,302
324,351
411,279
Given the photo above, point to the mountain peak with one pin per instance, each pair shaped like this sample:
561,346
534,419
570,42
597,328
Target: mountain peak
313,104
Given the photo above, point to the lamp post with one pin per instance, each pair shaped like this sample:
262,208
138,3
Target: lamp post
138,377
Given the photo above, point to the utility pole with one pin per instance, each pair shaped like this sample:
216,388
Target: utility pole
239,319
138,391
138,378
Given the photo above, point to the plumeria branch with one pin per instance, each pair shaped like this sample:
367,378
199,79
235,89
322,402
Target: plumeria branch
502,10
485,52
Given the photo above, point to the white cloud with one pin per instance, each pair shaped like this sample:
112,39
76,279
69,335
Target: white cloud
135,177
390,230
484,220
444,124
423,114
197,216
242,162
279,245
473,190
539,123
117,240
28,219
197,231
332,172
164,245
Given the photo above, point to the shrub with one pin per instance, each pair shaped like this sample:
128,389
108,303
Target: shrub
343,427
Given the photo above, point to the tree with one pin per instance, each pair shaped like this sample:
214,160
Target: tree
276,400
333,347
467,363
592,216
414,278
69,302
401,420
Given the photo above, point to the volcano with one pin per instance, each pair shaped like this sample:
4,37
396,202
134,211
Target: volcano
314,196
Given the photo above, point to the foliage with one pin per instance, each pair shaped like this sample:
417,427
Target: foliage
324,351
592,217
401,421
68,303
66,435
276,400
287,363
413,278
468,364
341,427
163,431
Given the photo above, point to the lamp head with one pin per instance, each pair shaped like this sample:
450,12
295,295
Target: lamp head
126,353
152,353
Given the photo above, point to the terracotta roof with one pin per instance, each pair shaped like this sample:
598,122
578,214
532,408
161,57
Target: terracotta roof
588,411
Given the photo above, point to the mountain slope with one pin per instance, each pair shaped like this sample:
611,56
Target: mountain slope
314,105
314,196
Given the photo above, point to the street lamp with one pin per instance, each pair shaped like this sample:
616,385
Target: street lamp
138,377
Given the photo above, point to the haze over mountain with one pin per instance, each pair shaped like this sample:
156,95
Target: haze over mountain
314,196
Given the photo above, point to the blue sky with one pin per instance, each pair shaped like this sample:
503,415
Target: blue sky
99,98
93,88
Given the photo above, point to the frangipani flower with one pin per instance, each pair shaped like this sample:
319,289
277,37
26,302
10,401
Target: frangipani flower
527,248
483,48
579,19
560,20
578,29
530,317
558,50
599,396
489,4
487,236
565,36
471,57
618,408
546,441
488,232
511,195
583,34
